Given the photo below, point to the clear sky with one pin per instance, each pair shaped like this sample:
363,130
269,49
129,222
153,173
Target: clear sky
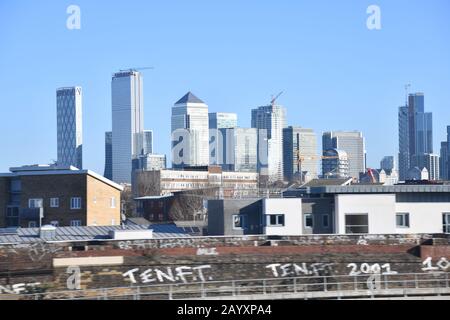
233,54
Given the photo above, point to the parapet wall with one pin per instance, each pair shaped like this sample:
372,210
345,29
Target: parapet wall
49,266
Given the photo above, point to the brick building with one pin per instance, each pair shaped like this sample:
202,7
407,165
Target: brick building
31,196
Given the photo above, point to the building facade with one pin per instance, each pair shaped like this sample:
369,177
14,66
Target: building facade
190,132
353,143
240,149
404,157
222,120
432,162
108,156
335,164
150,162
388,163
271,118
443,165
299,153
147,144
127,122
33,196
69,127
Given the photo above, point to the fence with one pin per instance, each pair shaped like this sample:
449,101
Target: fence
316,287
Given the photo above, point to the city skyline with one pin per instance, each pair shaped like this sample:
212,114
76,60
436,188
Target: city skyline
376,76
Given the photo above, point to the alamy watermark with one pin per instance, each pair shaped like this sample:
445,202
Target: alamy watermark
374,19
74,19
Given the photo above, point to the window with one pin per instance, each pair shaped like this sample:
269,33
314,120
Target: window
446,222
402,220
275,220
75,203
12,217
357,223
238,221
326,220
54,203
309,221
75,223
55,223
113,202
32,224
35,203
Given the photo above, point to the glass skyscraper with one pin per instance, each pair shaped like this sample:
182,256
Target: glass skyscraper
271,118
108,155
240,149
299,142
222,120
127,122
147,142
69,127
190,132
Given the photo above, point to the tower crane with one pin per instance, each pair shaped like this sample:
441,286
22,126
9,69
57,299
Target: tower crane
301,158
274,99
137,69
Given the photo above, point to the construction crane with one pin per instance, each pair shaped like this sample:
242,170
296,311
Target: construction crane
274,99
137,69
301,158
371,175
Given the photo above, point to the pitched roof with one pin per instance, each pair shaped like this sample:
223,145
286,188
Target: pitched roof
189,98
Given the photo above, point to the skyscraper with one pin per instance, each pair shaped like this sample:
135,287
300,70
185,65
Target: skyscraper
432,165
69,127
299,141
443,165
415,135
190,132
353,143
222,120
420,130
127,122
108,155
147,143
403,143
271,118
240,149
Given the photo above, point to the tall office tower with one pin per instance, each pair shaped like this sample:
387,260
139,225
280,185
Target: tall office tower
443,164
217,121
69,127
448,152
147,143
271,118
240,149
387,163
404,157
432,164
190,132
299,142
127,122
222,120
420,130
353,143
335,165
108,156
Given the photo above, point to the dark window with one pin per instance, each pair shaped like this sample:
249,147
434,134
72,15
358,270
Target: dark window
446,222
325,220
275,220
402,220
309,222
12,217
357,223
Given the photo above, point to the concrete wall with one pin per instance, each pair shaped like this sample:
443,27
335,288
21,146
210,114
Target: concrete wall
423,217
292,211
379,207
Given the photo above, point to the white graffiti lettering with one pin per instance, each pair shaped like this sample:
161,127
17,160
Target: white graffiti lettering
300,269
207,252
366,268
442,265
183,274
19,288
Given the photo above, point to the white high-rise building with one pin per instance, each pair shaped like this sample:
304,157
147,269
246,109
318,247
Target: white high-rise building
127,122
432,165
273,119
353,143
69,127
190,132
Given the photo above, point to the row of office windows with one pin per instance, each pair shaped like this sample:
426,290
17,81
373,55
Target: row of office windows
75,203
278,220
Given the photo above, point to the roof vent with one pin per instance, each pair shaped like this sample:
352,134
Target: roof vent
47,232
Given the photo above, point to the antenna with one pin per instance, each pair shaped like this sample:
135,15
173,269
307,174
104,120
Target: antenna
407,86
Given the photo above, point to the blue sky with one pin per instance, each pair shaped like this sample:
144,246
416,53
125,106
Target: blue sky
233,54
